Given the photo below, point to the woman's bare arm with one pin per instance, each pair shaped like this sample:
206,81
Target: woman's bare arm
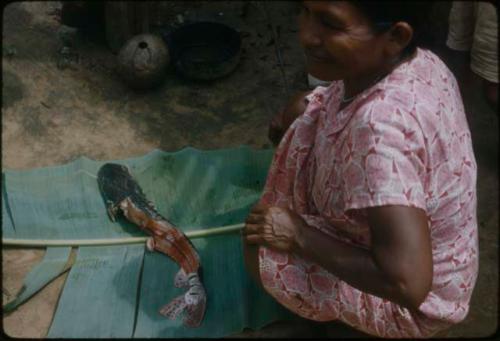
398,266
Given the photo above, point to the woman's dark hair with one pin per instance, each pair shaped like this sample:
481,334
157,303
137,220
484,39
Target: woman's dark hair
383,14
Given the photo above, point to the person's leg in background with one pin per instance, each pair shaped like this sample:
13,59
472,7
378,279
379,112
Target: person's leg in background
459,42
473,43
484,51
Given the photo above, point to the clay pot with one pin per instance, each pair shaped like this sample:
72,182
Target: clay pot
143,60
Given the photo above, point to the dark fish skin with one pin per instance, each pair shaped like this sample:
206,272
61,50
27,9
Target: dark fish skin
123,194
116,184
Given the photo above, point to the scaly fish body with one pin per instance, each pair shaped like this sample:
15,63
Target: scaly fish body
123,194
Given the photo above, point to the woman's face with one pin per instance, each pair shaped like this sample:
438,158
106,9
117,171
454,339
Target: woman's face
338,41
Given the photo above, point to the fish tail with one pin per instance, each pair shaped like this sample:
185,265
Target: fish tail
173,308
196,300
192,303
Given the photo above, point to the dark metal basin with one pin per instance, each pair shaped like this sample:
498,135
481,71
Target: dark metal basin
204,50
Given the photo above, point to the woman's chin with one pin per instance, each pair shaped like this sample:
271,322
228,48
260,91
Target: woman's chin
322,74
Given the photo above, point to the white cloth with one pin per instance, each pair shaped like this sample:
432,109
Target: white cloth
473,26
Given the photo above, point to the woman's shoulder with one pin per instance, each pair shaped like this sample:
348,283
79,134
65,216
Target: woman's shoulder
424,78
409,83
391,109
417,87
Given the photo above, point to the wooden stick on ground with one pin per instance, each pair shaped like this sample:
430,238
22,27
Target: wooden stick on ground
114,241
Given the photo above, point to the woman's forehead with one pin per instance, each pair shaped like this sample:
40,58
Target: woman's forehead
339,10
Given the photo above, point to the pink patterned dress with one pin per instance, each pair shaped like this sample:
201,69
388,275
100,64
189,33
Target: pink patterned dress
404,141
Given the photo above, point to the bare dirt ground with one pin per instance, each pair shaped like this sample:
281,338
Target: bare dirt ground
52,115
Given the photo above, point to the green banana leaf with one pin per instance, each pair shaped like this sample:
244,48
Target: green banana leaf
120,295
100,294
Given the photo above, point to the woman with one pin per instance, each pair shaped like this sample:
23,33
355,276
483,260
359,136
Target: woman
368,214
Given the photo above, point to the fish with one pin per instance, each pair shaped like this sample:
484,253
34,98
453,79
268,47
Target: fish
123,195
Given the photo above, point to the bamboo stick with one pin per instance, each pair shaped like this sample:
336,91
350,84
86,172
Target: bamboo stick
115,241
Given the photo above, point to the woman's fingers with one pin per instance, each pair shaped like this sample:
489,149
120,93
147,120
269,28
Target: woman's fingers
251,229
254,218
254,239
252,233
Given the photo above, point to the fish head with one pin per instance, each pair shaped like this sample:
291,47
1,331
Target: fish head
114,183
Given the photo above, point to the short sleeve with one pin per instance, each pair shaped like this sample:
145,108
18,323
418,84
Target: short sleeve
383,159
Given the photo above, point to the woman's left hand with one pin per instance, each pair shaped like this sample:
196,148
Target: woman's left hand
275,227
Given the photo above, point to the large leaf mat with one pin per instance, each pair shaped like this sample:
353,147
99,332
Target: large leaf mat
116,291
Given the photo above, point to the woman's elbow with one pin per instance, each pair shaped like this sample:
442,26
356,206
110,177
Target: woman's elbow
413,292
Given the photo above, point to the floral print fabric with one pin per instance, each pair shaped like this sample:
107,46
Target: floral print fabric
404,141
